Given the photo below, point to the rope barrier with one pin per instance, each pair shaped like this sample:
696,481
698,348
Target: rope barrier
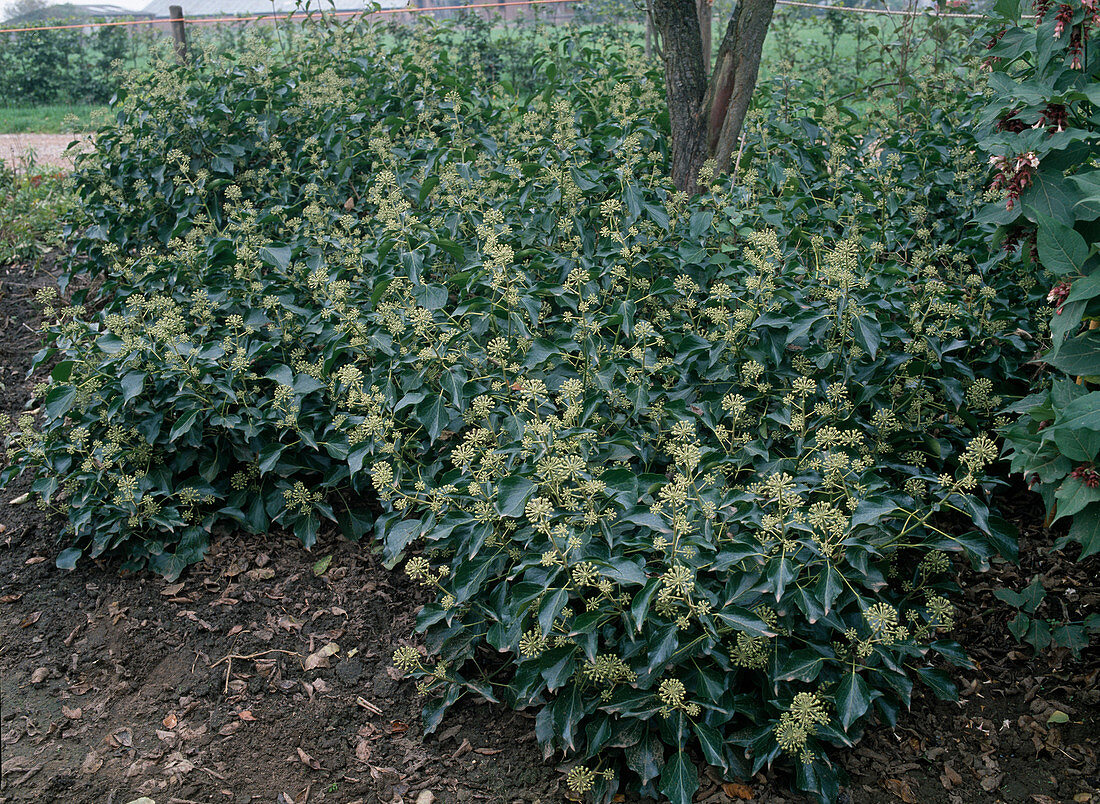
416,10
853,9
290,15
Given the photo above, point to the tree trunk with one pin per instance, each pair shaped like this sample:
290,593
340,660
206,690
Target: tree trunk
648,31
706,26
707,116
685,87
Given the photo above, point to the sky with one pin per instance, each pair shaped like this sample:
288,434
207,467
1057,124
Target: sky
131,4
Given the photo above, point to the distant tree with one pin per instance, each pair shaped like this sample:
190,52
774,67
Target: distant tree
21,7
707,107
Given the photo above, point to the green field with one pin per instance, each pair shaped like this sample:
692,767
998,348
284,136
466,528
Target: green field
54,119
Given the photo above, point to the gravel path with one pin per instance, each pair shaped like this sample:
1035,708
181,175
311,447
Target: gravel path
49,149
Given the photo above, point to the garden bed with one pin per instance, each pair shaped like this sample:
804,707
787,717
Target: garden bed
120,686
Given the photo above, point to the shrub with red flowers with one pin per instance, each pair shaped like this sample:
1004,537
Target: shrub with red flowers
1045,192
1013,175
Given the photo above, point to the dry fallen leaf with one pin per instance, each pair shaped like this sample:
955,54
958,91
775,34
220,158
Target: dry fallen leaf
123,737
39,675
288,623
34,560
71,714
11,598
321,567
235,569
91,763
488,751
901,789
320,657
22,498
362,751
31,619
170,721
172,590
247,715
261,574
236,629
308,760
991,783
737,791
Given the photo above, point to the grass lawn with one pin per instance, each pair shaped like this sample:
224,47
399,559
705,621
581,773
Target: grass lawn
43,119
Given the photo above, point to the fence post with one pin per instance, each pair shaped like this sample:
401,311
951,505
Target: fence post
175,15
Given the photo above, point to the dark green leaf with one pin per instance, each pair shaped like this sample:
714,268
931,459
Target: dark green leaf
513,492
679,779
853,698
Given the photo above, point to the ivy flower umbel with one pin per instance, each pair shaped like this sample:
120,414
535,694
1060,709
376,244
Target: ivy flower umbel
406,658
805,713
672,693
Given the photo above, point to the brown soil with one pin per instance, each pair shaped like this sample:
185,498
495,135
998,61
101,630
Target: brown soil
116,687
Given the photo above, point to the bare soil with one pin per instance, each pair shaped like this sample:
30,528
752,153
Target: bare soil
114,687
47,149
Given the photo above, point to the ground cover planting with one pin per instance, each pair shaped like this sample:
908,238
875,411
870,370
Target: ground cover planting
688,480
32,198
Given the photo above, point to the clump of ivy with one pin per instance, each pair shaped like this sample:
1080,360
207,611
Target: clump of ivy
681,467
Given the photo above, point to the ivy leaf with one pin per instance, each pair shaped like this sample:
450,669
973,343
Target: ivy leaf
802,665
868,334
643,758
744,620
853,697
433,415
939,682
67,558
396,539
276,255
551,605
513,492
132,383
566,712
679,779
183,425
59,401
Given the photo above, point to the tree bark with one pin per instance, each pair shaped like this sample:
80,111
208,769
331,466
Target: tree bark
706,25
707,115
685,87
